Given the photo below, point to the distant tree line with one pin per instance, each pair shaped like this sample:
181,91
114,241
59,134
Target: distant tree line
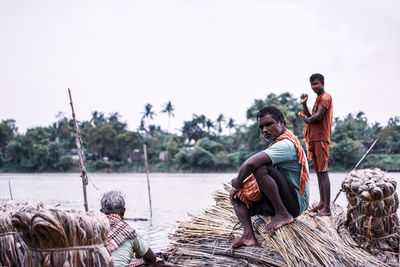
201,145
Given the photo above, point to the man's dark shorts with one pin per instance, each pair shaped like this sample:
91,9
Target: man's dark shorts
286,190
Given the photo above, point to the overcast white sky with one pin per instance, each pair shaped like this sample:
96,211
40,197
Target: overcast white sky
206,57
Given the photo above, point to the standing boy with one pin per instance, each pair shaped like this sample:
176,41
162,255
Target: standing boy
318,130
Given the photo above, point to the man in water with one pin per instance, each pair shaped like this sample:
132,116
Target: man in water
273,182
124,244
318,137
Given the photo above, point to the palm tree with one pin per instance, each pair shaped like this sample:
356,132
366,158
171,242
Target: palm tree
148,113
209,125
220,119
98,118
114,117
169,109
230,125
141,127
200,120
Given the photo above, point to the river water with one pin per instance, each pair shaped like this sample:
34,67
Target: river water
173,196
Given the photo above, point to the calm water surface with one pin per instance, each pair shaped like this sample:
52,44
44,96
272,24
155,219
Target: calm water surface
173,195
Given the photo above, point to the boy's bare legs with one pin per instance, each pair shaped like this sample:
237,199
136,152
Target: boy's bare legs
320,205
323,177
324,187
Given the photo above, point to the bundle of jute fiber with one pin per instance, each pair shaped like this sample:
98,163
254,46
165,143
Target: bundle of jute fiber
64,238
309,241
12,247
372,206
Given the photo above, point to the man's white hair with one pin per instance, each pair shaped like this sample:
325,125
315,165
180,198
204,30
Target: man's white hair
112,202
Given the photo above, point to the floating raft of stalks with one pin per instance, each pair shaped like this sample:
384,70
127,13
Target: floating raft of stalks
309,241
371,215
63,238
12,248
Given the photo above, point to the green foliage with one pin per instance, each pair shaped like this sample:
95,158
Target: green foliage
350,128
202,158
1,159
63,131
382,161
209,145
126,142
237,158
154,143
35,151
195,129
345,153
101,164
8,131
101,140
183,160
390,136
172,145
203,144
221,160
289,106
64,163
253,139
108,137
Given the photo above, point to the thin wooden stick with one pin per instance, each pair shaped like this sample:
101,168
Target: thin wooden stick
9,187
78,142
148,180
358,164
366,153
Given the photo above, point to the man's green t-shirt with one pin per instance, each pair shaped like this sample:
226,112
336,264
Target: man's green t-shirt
283,155
123,255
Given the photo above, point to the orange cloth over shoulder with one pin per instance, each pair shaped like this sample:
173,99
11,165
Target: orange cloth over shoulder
250,190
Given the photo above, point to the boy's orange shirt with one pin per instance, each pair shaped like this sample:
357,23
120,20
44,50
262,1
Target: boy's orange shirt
321,130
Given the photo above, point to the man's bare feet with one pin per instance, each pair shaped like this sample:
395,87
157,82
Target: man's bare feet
278,221
324,212
244,241
319,207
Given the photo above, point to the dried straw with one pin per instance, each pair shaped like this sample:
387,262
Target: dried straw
64,238
308,241
12,247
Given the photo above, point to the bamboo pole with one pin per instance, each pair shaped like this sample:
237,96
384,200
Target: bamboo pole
358,164
148,180
366,153
78,142
9,188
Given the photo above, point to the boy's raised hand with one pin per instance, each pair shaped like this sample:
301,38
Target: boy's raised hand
303,98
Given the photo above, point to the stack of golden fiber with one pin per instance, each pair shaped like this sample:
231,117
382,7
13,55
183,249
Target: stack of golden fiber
12,248
309,241
371,216
63,238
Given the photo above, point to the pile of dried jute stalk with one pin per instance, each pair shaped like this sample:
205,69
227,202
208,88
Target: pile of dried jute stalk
12,247
371,215
63,238
308,241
